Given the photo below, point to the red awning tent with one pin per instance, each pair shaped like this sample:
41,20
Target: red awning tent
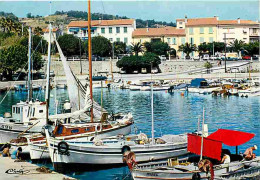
212,145
231,137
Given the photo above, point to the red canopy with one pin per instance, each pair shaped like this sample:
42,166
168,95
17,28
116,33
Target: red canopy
231,137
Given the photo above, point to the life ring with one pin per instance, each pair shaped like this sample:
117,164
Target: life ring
63,148
196,176
125,149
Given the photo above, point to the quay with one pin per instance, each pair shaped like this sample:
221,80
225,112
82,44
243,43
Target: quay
10,170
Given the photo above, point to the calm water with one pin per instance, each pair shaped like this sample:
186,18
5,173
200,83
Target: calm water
172,113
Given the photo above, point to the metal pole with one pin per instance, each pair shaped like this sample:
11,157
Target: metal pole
152,113
89,59
47,94
225,34
201,148
29,65
80,56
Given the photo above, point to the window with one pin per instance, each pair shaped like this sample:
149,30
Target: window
191,30
111,39
75,32
110,30
210,30
182,40
13,109
126,40
117,29
201,30
118,39
210,39
40,111
125,29
103,30
18,111
174,40
254,31
74,130
180,22
201,39
168,40
191,40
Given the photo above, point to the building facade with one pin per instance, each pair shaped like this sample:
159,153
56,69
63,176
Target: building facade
56,33
115,30
244,30
208,30
171,35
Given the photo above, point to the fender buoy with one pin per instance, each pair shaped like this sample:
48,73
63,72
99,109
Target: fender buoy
125,149
63,148
196,176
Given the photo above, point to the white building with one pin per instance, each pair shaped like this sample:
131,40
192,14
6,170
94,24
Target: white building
114,30
244,30
56,33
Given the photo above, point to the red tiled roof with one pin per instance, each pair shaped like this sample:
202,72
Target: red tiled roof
154,32
47,30
232,22
102,23
202,21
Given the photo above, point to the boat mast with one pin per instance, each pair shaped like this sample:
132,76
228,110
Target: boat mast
201,148
29,65
89,59
152,107
47,93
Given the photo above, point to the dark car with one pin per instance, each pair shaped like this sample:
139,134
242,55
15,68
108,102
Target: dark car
246,57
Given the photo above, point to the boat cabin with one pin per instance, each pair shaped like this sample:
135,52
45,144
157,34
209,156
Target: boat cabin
25,112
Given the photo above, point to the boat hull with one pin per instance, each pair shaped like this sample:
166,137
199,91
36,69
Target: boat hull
39,151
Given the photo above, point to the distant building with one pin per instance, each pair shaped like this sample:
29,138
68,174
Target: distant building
173,36
56,32
114,30
200,30
244,30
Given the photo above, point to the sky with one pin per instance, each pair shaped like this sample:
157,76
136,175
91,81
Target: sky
163,10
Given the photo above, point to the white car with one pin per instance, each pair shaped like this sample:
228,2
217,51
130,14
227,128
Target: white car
196,58
162,57
205,57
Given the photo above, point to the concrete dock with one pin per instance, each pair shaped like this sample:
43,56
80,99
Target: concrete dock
10,170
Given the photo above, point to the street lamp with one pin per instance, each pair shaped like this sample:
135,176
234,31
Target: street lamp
225,38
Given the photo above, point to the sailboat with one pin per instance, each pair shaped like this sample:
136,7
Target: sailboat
26,117
84,109
108,152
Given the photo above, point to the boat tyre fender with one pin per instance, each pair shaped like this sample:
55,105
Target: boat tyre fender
125,149
196,176
63,148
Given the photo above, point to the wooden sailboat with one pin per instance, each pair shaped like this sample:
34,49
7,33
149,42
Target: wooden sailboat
84,109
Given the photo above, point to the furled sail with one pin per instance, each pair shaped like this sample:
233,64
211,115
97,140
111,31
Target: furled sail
77,92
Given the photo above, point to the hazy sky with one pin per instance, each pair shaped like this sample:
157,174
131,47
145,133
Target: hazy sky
145,9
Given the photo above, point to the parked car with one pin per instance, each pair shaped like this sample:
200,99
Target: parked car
162,57
143,71
196,58
206,57
246,57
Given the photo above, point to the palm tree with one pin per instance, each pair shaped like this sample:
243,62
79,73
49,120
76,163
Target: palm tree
137,48
203,48
236,45
187,48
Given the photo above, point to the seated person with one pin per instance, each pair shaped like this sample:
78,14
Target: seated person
225,159
16,154
248,154
6,151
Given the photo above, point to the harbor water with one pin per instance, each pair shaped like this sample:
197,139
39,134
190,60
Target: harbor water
173,114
